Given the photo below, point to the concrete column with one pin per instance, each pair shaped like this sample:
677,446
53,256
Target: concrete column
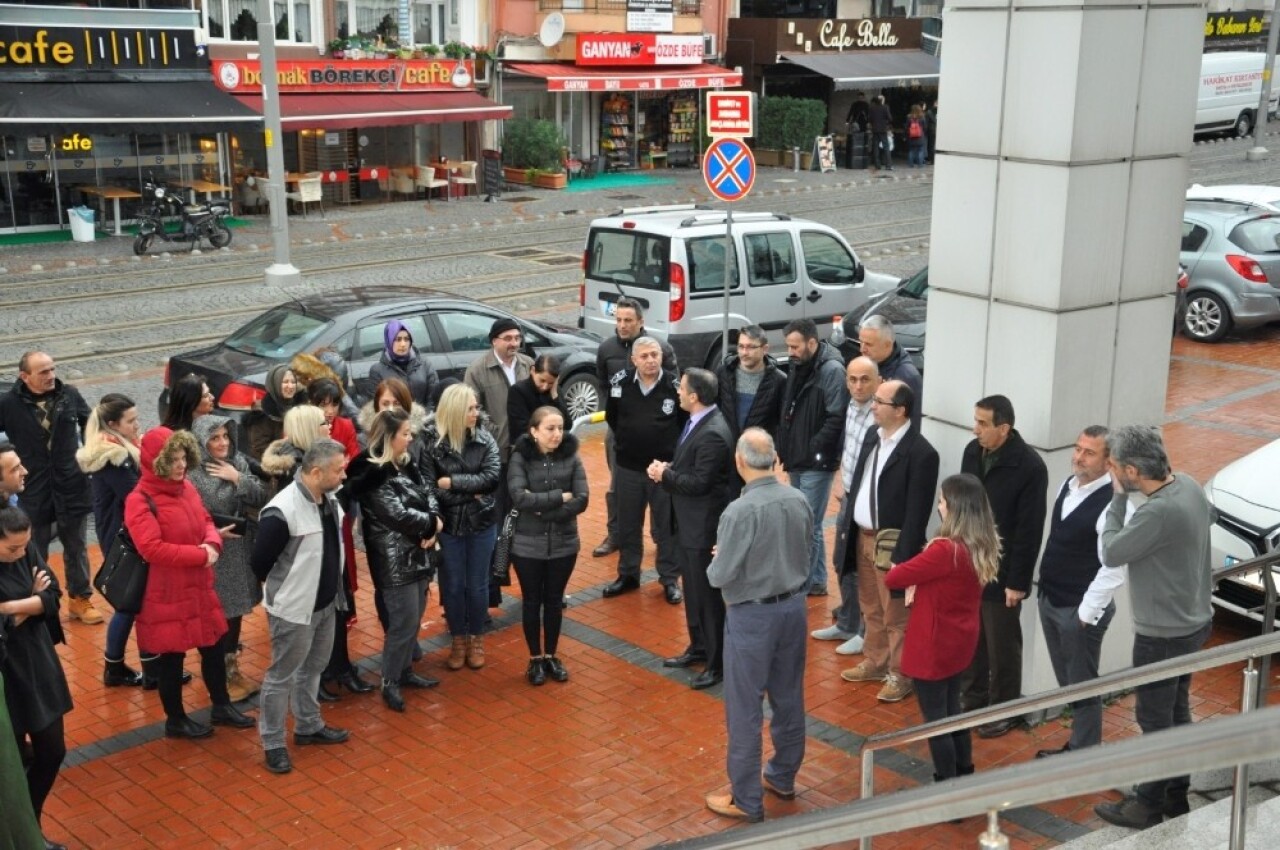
1063,136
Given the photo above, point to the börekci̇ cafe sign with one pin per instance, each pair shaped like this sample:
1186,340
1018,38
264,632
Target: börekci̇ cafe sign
244,76
637,49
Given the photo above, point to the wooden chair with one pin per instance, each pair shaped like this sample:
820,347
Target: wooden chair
465,175
310,191
428,180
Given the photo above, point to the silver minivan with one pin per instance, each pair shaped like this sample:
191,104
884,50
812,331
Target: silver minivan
671,259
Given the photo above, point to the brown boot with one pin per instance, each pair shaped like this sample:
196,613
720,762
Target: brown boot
475,652
238,687
457,653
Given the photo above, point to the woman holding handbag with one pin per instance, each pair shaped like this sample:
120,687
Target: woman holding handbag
461,458
180,610
549,489
401,521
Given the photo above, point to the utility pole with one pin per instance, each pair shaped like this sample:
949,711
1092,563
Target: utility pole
282,271
1258,151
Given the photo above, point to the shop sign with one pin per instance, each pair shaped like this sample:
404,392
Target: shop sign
731,113
97,49
636,82
647,49
651,15
1234,29
244,76
838,35
75,143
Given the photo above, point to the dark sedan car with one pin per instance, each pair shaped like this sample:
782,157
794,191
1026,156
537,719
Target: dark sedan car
448,330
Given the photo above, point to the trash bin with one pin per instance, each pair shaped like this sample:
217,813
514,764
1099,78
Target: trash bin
81,219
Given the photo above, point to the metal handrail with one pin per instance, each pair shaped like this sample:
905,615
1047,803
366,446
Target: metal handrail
1206,745
1265,564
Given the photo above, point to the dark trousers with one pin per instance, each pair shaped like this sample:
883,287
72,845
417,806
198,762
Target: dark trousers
952,754
764,657
635,492
213,669
1164,704
542,584
881,155
75,556
703,608
502,498
1074,648
610,496
48,749
995,675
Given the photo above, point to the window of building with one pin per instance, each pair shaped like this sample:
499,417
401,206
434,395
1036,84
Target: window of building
237,20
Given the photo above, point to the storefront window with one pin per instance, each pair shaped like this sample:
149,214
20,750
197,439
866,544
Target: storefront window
237,20
428,22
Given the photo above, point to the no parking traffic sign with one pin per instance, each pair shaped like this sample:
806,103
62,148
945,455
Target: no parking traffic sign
729,169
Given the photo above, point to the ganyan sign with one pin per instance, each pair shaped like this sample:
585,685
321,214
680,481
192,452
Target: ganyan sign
97,49
638,49
1235,30
244,76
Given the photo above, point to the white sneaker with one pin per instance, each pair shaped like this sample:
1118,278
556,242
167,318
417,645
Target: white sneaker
832,632
853,646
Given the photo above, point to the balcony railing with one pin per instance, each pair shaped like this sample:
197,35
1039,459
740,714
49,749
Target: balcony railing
681,7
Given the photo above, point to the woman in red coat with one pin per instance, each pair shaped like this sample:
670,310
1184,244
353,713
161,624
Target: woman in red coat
944,589
174,533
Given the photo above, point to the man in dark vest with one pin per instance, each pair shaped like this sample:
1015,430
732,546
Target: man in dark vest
1075,592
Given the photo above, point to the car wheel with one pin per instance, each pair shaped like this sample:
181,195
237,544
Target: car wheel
1207,318
581,395
1244,124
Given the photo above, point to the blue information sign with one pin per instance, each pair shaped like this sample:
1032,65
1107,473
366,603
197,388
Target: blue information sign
729,169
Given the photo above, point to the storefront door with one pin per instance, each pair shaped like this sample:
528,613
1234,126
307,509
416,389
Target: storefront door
29,195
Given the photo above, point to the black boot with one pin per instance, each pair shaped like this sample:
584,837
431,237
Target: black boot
229,715
391,695
117,674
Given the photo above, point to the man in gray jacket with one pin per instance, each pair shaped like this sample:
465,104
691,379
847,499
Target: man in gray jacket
298,554
1166,545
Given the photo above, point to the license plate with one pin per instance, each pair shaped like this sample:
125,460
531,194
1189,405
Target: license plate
608,308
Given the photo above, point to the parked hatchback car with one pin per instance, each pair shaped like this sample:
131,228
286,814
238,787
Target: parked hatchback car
1232,254
448,330
672,260
1247,501
1260,196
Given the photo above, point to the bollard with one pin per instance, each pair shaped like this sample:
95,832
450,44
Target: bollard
795,159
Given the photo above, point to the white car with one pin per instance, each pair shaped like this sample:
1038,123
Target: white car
1262,197
1248,525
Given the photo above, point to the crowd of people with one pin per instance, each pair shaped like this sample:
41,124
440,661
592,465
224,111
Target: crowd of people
434,477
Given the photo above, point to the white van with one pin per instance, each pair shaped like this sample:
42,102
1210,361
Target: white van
1230,87
671,259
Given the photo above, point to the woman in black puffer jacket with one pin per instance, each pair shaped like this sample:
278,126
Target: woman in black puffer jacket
461,459
549,488
401,520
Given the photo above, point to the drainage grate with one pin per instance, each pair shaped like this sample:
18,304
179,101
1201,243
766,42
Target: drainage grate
520,252
519,199
563,260
625,197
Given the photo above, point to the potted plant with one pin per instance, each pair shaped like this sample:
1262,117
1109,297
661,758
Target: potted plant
418,53
532,143
432,50
787,122
512,174
456,50
337,48
483,61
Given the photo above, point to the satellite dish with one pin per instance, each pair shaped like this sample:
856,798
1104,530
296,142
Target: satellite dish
552,30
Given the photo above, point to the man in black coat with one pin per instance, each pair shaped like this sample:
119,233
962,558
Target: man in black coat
612,358
45,421
751,385
894,481
1017,483
698,479
878,341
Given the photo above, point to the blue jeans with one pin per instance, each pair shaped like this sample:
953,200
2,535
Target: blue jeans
815,485
119,627
464,580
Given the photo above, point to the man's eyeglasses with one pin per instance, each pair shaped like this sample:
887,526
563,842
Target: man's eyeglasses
510,337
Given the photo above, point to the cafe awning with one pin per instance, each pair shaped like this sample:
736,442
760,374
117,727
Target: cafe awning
565,77
870,68
185,106
350,110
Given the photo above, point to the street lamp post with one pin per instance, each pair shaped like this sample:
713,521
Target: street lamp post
1258,151
282,271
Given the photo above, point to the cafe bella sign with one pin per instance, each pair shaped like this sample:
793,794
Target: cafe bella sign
243,76
836,35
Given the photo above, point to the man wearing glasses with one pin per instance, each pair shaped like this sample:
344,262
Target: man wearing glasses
492,375
892,488
751,385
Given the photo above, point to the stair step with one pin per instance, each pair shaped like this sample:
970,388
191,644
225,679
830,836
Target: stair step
1206,827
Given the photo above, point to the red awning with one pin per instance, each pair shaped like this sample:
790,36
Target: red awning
378,109
564,77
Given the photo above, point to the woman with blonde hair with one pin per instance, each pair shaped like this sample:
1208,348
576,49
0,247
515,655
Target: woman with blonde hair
944,589
401,522
462,460
303,426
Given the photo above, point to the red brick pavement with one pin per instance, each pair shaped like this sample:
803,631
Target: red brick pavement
620,756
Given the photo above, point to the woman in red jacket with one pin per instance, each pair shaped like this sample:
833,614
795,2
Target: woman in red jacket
944,589
180,611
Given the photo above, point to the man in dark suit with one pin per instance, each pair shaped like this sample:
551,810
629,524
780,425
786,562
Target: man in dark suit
698,479
1017,484
893,486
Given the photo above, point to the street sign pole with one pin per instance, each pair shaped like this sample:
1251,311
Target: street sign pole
730,172
728,266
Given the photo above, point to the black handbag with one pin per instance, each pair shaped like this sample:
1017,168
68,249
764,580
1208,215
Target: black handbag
122,578
500,571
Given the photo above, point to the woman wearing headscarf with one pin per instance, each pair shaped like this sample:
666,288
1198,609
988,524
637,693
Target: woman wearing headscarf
265,422
462,461
180,609
401,360
229,488
401,521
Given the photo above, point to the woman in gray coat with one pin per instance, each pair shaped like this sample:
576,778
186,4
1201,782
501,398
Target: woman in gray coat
549,488
229,489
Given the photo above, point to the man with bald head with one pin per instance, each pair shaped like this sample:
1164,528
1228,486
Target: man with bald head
892,490
878,340
862,379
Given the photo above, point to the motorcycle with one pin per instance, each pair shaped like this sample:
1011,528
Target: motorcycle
199,221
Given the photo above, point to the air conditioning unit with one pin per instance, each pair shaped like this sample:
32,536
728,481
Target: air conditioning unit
709,45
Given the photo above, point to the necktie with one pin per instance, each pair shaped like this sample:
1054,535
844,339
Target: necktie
688,426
